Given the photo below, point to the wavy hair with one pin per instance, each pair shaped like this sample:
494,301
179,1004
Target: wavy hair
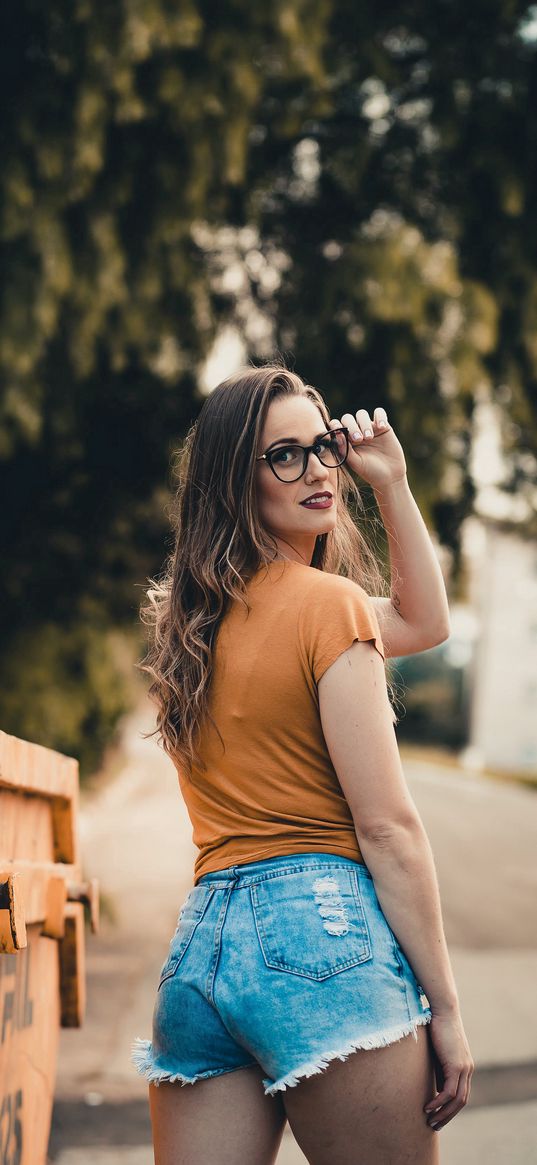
219,543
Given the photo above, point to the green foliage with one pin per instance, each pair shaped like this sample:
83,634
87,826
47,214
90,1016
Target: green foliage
374,172
407,210
68,688
125,125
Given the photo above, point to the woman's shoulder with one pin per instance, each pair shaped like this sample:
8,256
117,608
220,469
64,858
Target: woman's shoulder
324,597
335,611
326,584
309,588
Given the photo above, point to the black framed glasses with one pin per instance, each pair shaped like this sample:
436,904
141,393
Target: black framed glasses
289,462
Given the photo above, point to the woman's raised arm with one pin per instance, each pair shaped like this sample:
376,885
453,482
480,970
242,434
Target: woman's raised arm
416,616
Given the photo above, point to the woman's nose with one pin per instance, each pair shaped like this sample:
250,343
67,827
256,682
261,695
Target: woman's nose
316,467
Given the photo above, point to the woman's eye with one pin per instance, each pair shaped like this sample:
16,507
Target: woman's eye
285,456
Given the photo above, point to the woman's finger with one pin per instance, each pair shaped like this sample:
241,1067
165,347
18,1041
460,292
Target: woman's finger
381,419
459,1102
448,1093
354,430
361,426
451,1106
365,423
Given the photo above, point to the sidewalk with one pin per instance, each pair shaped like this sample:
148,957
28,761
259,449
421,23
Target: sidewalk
496,1135
136,838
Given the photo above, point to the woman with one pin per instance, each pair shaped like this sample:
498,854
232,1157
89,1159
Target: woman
290,984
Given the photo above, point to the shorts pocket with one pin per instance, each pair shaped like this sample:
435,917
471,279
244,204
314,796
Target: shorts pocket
311,921
190,916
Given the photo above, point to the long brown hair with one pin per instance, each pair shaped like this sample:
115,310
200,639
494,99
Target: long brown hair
219,543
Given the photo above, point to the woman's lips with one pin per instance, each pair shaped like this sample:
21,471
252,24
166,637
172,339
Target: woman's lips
318,504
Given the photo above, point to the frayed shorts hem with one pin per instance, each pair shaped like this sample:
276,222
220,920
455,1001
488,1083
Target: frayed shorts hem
142,1059
377,1040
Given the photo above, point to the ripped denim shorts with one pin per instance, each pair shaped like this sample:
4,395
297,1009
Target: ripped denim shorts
287,963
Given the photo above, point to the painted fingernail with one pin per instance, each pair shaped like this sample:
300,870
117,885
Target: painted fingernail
382,424
357,436
369,432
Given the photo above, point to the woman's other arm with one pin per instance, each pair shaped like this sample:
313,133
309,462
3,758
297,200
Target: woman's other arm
356,717
416,616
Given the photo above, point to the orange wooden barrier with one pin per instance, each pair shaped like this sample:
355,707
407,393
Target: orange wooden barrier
42,979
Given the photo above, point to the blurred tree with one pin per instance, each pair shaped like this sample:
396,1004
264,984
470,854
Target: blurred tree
406,206
372,170
126,124
123,125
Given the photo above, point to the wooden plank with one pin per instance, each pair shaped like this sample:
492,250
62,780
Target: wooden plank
32,821
64,818
42,985
56,898
72,967
12,914
32,768
26,826
33,885
29,1033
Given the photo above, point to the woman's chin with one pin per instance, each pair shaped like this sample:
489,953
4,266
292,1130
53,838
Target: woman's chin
324,525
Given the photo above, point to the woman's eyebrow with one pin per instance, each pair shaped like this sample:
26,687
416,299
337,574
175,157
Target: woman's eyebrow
295,440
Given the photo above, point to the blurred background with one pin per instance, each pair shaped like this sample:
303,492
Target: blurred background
186,187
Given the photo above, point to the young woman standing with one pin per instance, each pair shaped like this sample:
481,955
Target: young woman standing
311,945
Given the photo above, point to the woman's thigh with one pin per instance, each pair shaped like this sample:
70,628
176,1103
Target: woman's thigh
368,1108
225,1120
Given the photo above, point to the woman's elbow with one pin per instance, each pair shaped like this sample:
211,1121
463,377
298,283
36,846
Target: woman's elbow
439,633
427,635
435,633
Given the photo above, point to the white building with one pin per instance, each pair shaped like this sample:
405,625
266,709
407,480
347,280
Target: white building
502,594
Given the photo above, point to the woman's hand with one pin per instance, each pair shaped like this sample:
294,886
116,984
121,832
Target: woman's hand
453,1066
374,451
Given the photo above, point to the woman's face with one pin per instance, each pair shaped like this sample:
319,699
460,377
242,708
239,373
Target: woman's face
295,420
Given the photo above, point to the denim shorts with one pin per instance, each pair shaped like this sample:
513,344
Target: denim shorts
287,963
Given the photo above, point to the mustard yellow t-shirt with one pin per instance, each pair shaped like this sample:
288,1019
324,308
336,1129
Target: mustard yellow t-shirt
274,789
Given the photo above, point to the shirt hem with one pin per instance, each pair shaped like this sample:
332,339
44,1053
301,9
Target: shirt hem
222,862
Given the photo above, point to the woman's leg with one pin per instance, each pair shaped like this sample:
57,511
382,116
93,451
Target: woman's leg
368,1108
225,1120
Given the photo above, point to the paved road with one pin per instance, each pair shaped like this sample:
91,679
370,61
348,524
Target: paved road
498,1136
136,839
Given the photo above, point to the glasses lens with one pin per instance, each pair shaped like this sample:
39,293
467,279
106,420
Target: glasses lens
332,449
288,462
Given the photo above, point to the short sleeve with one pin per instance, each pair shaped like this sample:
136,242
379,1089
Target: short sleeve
335,613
